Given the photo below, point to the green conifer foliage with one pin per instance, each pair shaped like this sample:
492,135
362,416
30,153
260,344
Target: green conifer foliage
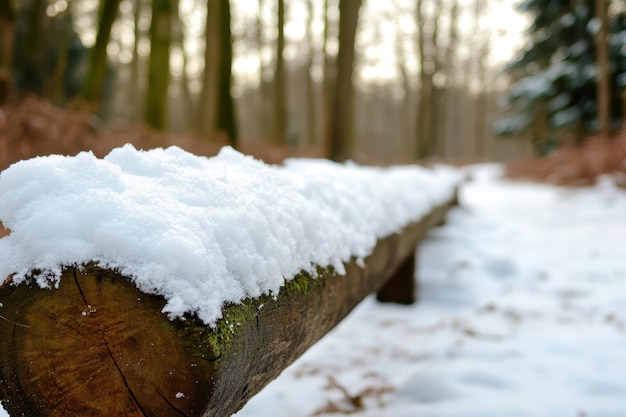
556,72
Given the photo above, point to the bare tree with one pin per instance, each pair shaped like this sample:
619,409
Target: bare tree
7,20
330,79
310,91
450,111
343,141
216,112
178,36
158,65
225,111
480,101
280,81
264,93
134,91
208,97
407,139
96,69
7,36
427,49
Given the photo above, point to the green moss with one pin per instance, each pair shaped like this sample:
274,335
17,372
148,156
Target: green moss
236,317
298,285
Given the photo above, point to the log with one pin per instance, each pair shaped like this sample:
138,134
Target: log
97,346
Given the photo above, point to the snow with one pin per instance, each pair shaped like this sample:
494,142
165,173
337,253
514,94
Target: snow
568,19
594,25
199,231
533,87
521,313
566,117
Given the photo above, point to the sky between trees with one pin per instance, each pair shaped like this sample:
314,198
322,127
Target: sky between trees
354,79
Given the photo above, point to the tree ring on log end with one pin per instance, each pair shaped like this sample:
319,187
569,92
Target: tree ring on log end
97,346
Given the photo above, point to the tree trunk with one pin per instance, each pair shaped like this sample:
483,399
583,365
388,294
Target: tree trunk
216,112
179,38
435,91
53,87
7,34
330,79
158,64
135,105
427,98
97,66
280,83
342,137
310,87
207,114
602,65
32,71
7,37
450,112
424,112
540,129
624,108
407,142
263,91
480,100
225,109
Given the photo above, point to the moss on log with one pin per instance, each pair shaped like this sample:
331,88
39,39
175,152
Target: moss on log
97,346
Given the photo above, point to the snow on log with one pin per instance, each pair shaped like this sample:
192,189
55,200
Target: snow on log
163,284
98,346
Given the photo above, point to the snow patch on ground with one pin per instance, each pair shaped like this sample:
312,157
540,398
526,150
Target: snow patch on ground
520,314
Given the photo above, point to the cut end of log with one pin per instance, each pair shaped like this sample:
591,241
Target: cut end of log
97,346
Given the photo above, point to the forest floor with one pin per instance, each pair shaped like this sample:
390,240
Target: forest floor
32,127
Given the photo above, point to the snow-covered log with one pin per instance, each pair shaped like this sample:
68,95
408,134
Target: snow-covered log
159,283
98,346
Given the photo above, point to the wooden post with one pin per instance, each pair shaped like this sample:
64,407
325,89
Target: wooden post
402,287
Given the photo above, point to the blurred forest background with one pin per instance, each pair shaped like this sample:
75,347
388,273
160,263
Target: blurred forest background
375,81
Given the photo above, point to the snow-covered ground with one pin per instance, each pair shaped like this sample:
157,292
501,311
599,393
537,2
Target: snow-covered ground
522,312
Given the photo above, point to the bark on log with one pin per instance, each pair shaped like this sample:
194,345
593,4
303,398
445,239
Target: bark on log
97,346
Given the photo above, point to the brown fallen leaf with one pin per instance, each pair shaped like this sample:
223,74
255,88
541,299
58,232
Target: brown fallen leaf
4,231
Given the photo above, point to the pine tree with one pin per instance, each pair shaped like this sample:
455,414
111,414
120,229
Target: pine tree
556,91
